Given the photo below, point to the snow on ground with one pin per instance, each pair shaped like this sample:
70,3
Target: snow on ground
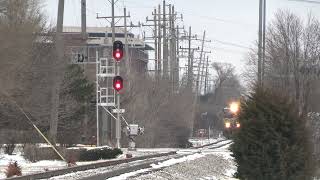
27,166
196,142
160,165
214,165
210,166
41,166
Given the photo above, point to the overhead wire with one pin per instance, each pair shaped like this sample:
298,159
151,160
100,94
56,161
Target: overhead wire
231,44
307,1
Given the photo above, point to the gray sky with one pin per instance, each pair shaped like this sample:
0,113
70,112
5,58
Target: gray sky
231,21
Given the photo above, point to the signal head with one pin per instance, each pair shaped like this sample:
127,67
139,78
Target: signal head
117,52
117,83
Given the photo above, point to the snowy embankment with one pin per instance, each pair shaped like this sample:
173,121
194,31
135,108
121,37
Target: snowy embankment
214,165
212,159
27,166
45,165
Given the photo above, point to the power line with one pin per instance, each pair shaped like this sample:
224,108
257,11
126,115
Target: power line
307,1
221,19
231,44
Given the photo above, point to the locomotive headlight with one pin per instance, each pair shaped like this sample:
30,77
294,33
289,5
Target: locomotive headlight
234,107
227,125
238,125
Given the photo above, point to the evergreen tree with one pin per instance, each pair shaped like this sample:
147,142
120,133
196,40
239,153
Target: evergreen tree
273,142
75,97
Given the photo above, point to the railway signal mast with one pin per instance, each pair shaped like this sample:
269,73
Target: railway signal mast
117,55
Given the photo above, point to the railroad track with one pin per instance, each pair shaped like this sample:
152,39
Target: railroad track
117,167
146,165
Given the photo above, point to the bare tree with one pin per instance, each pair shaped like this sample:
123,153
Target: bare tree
166,115
26,53
292,48
292,64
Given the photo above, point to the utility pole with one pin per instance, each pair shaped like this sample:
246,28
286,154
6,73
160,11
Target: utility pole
165,42
159,41
190,65
202,74
57,77
156,36
177,76
83,19
170,53
156,62
201,53
84,37
261,43
190,51
173,53
128,64
206,77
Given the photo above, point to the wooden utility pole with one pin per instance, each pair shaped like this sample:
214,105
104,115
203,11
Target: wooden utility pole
190,66
160,60
126,45
190,52
170,52
57,78
206,77
155,34
83,19
261,40
165,42
202,73
177,77
200,61
173,52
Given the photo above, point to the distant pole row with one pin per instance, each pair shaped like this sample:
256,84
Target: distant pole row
168,40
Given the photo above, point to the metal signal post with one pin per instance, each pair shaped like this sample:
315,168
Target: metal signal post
117,54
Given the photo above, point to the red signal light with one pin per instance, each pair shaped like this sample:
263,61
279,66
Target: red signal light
117,54
117,50
117,83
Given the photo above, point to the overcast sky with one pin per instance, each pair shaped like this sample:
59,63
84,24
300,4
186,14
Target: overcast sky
225,21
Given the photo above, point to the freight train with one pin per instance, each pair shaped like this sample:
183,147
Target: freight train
230,120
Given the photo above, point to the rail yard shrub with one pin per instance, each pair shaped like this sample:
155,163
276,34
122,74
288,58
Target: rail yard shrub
35,153
273,142
13,169
99,153
9,148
